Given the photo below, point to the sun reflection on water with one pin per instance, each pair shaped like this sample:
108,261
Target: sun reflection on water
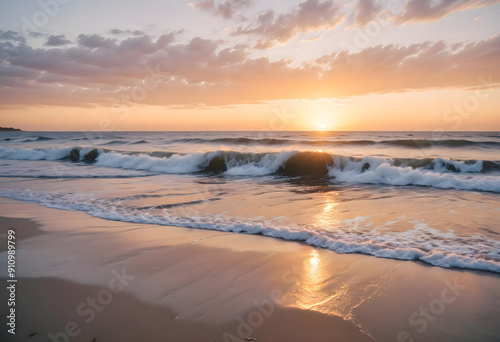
327,218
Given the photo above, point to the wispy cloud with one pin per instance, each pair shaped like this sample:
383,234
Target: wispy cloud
419,11
127,32
308,16
225,8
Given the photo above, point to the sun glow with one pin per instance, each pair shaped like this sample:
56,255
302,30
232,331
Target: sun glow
323,121
321,125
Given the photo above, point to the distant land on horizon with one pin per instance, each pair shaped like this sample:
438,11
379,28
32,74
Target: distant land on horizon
9,129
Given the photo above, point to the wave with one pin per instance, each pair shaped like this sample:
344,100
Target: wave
424,143
41,138
401,143
63,170
125,142
115,142
234,141
269,141
446,250
34,153
68,176
407,143
440,173
475,175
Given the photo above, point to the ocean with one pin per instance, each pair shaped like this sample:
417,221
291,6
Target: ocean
426,196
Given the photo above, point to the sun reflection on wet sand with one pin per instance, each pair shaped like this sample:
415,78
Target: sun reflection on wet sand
309,292
335,285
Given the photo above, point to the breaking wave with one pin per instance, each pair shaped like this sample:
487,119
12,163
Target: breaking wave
476,175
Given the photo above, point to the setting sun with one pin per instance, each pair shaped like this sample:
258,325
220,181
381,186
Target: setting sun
249,170
322,124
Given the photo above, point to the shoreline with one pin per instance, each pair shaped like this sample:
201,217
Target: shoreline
210,281
421,254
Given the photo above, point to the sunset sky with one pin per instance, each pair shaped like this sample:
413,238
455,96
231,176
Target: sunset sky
250,65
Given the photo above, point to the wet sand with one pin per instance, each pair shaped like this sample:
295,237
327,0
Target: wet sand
28,229
48,309
93,279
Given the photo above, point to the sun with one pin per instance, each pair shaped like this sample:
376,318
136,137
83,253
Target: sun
322,124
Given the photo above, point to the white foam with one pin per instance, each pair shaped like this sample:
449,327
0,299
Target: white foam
268,164
450,251
236,164
34,153
175,164
383,171
440,165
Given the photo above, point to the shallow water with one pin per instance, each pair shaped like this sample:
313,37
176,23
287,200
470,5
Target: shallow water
401,195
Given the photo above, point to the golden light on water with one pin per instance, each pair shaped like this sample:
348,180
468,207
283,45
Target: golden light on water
327,218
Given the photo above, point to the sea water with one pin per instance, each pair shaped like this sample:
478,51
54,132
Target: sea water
423,196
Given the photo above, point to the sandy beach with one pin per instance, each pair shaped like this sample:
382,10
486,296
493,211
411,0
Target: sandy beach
243,170
82,278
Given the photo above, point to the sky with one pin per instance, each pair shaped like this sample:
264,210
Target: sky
256,65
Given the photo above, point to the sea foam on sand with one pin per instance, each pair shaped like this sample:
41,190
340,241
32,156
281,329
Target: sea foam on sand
217,283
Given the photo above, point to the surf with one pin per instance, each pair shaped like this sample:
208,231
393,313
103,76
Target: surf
474,175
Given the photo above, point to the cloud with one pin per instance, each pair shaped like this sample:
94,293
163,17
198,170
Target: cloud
366,11
419,11
412,11
59,40
311,39
127,32
394,68
202,72
11,36
95,41
225,8
308,16
36,34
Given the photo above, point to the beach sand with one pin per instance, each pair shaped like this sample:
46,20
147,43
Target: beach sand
28,229
82,278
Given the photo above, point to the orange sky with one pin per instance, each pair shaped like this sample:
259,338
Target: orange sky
312,65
